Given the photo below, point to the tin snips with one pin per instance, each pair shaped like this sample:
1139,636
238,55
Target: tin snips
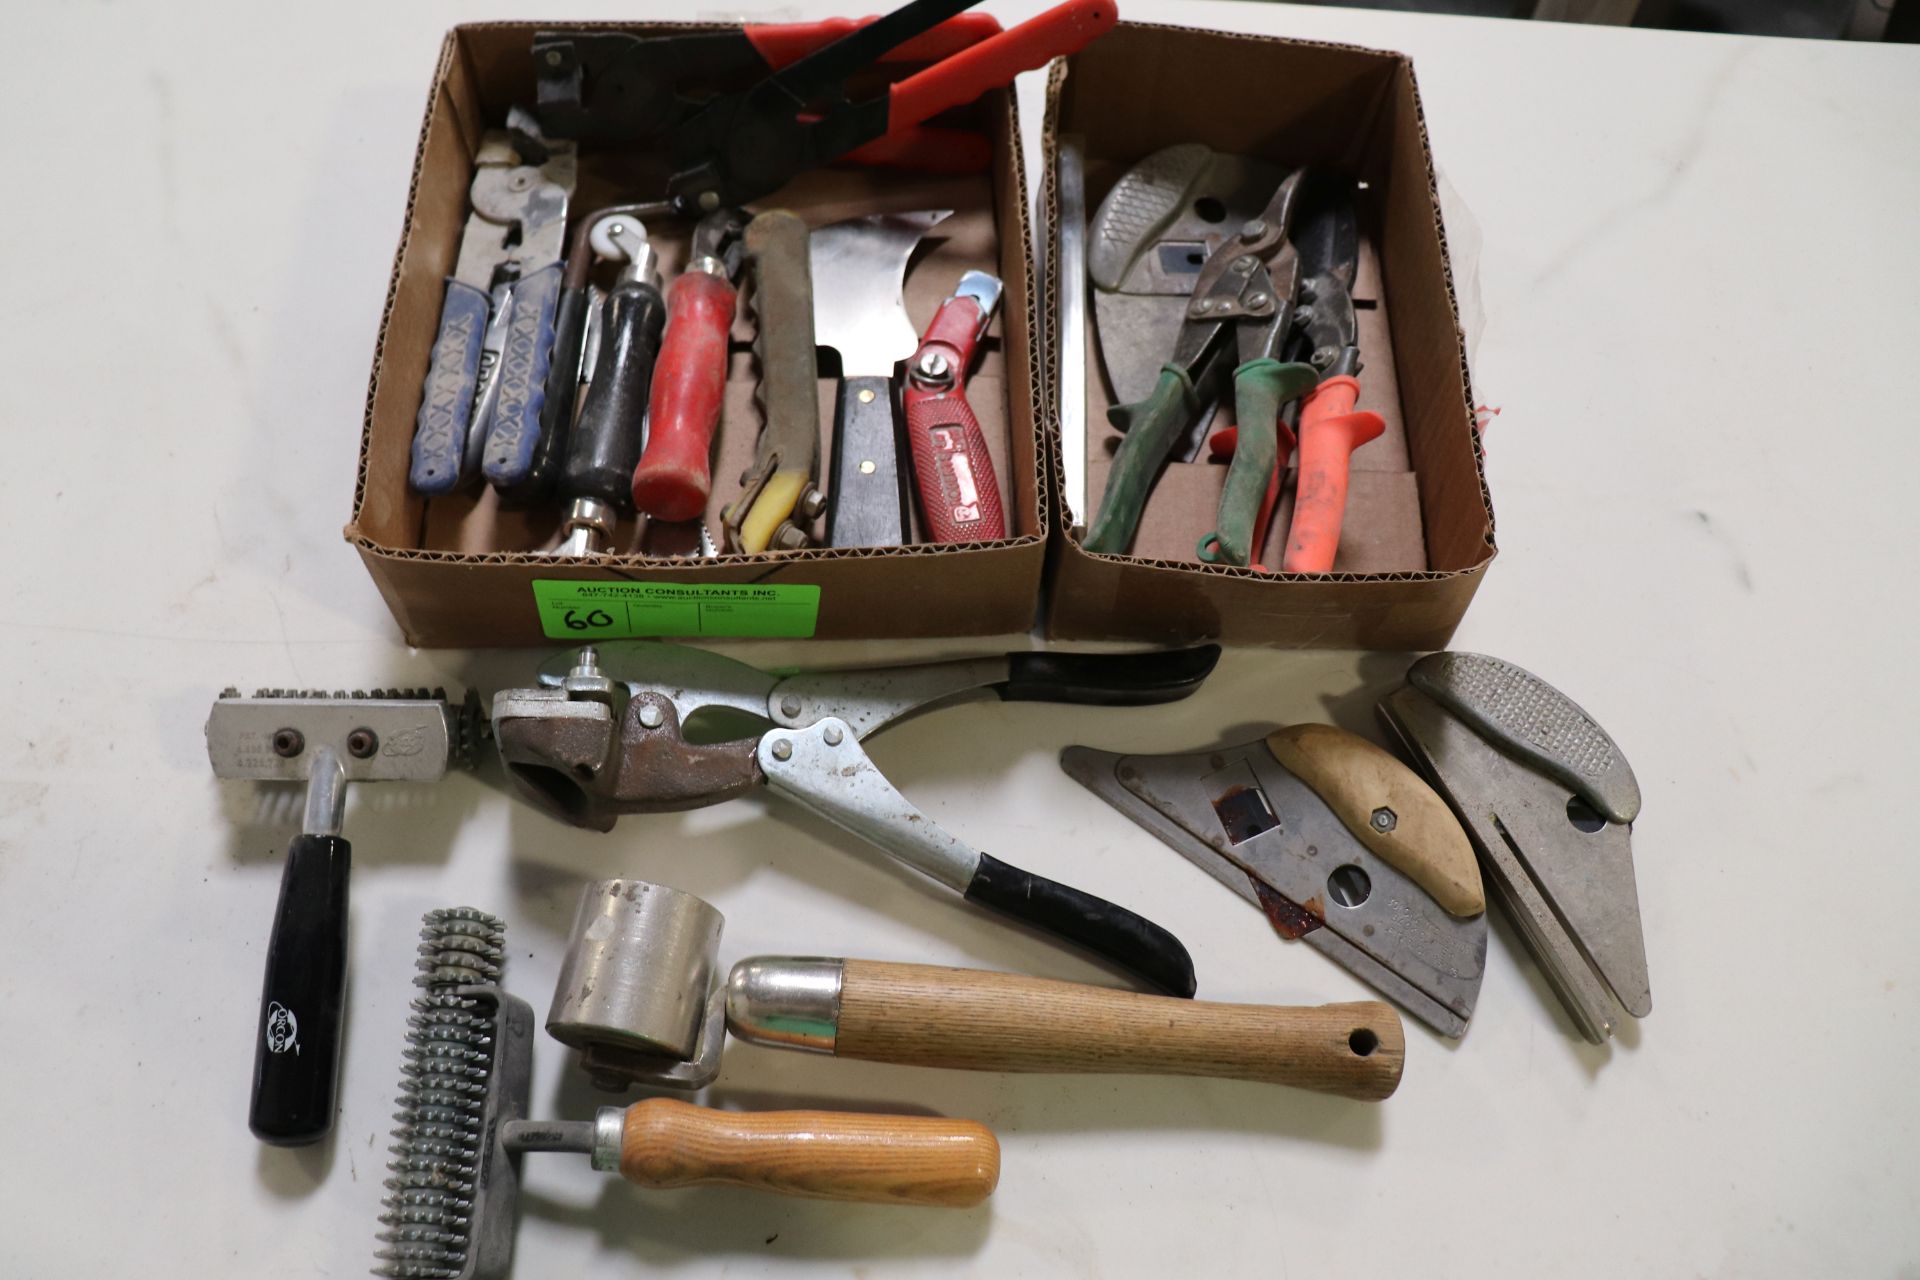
1549,801
640,727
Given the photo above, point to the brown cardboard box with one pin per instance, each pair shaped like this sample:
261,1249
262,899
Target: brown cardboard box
1419,527
459,571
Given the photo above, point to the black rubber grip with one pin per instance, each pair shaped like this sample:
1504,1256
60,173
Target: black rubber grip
1108,679
607,439
296,1060
1135,944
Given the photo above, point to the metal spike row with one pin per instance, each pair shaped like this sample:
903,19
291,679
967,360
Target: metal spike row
439,1129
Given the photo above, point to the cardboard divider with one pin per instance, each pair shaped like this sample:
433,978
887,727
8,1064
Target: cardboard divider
1419,526
459,570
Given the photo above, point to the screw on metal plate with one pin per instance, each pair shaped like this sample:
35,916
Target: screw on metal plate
288,743
362,743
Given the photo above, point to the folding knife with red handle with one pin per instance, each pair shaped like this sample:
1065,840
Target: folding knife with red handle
959,496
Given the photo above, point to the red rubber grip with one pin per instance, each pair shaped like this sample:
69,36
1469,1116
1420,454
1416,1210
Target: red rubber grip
959,494
675,472
1065,28
788,42
1329,433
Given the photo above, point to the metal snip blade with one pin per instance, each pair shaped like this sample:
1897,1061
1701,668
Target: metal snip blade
1562,873
1263,833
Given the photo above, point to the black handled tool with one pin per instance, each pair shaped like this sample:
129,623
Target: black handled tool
605,445
325,740
593,744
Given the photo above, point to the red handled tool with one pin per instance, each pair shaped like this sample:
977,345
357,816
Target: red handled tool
675,473
735,147
959,496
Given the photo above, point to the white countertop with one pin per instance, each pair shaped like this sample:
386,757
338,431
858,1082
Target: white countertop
1698,272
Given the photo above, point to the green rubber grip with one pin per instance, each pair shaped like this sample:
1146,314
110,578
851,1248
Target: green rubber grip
1153,426
1260,387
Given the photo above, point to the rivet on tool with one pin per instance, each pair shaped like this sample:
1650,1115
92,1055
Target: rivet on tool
1384,819
866,397
1254,229
1245,265
782,749
1204,305
832,735
866,466
650,716
553,57
1256,301
362,743
789,706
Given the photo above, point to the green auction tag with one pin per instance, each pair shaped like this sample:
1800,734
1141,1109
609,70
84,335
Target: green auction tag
618,610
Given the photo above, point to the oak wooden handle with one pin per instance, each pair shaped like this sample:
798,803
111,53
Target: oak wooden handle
826,1155
924,1015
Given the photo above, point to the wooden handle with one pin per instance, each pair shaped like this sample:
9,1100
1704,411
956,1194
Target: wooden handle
1360,781
923,1015
827,1155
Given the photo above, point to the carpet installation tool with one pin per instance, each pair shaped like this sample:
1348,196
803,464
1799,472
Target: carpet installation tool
325,740
462,1126
1549,802
1335,840
661,727
640,996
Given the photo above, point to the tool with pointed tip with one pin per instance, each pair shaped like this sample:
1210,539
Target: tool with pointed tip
952,467
1549,802
480,410
326,741
638,727
462,1127
859,271
596,479
1337,842
786,461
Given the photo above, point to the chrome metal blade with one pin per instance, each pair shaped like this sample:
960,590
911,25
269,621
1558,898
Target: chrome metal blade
1265,834
859,268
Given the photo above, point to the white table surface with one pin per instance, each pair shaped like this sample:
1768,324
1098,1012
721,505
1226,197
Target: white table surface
1698,273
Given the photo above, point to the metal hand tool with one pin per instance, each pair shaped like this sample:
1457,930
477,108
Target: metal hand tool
735,147
466,1083
952,468
325,740
1244,289
665,727
1072,338
1337,842
604,446
1328,238
675,472
786,461
639,996
859,272
481,407
1549,802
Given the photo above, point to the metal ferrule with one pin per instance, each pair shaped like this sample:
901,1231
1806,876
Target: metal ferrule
590,526
710,265
609,1129
326,792
792,1002
641,265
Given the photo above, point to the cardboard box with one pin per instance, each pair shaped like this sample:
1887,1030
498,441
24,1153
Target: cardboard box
460,571
1419,527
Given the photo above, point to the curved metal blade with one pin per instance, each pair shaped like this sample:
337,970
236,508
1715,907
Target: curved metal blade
1263,833
693,680
859,267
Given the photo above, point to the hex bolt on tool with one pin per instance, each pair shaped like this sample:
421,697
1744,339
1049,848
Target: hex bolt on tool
952,467
640,727
1337,842
675,472
466,1083
326,741
597,477
639,995
481,409
859,272
1549,801
783,478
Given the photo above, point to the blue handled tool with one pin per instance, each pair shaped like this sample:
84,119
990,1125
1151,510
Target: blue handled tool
486,382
